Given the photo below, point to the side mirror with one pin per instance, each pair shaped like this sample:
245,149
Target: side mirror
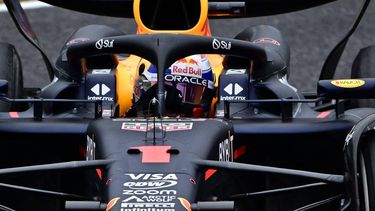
23,25
347,88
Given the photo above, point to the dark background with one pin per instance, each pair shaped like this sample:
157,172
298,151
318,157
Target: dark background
311,33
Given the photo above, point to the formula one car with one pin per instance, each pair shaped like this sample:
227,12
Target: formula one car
175,118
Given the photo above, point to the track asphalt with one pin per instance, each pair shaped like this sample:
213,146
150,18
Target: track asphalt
311,33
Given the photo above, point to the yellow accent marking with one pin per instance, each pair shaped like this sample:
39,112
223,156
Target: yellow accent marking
348,83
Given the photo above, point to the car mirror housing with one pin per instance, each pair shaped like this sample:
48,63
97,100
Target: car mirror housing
347,88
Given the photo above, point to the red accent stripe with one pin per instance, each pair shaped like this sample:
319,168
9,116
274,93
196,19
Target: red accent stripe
323,114
155,154
239,152
14,115
209,173
99,172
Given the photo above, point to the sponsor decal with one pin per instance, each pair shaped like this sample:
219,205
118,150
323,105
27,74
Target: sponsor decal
103,91
147,205
166,126
217,44
174,120
267,41
226,149
145,192
102,43
77,40
100,98
100,90
185,203
151,181
150,185
101,71
223,98
235,71
186,70
348,83
187,79
233,89
153,176
134,199
147,209
157,199
112,203
149,192
199,61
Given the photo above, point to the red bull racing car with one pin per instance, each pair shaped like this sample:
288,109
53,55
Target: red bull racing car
174,118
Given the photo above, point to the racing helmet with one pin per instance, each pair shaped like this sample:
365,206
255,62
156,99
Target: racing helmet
189,87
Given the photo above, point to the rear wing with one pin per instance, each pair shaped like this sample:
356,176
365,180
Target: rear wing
217,8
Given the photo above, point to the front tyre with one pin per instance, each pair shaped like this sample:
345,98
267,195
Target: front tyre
11,70
366,170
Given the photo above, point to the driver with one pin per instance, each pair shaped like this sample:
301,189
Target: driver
189,87
185,17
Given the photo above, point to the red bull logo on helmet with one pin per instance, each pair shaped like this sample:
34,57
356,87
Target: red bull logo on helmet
189,66
186,70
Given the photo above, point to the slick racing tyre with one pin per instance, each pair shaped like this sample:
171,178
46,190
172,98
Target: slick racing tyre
11,70
364,67
366,170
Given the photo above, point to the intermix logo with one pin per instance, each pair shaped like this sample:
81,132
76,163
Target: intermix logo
100,89
233,89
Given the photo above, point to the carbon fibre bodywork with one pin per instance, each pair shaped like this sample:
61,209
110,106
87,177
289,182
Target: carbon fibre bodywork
84,144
